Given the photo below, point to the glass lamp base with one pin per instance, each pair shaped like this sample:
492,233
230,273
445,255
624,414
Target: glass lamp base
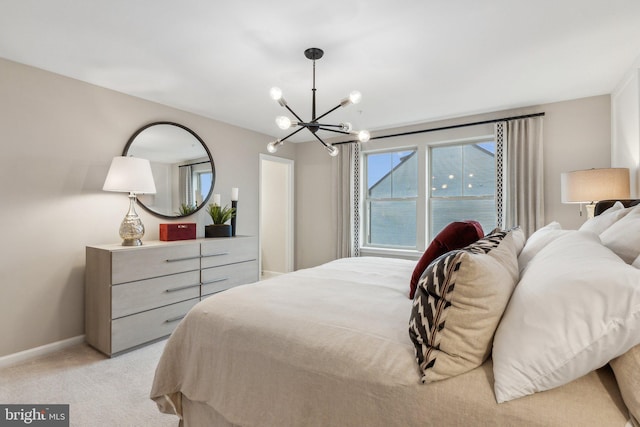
132,242
131,228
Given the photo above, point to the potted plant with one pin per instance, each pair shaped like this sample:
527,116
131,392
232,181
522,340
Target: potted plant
186,209
219,215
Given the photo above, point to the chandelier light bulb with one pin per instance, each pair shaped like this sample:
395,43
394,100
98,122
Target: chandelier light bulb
364,136
272,147
276,93
355,97
283,122
333,151
345,127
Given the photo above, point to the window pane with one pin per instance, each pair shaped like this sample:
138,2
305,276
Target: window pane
392,223
463,185
446,171
463,170
479,170
205,184
392,175
444,211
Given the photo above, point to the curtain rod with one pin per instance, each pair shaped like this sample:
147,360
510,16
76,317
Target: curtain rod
193,164
447,127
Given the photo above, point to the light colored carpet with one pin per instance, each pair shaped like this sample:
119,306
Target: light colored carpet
100,391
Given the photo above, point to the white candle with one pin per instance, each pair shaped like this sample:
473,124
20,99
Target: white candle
234,194
216,199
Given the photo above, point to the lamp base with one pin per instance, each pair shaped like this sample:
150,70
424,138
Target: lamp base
132,242
131,228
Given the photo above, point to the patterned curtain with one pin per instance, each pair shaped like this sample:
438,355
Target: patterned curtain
520,174
347,185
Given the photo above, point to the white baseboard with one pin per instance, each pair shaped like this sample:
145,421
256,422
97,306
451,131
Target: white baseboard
12,359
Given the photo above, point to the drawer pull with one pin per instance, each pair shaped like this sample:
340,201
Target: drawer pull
183,259
175,319
216,254
180,288
222,279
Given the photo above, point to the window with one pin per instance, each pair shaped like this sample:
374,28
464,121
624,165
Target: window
410,194
391,199
203,185
462,185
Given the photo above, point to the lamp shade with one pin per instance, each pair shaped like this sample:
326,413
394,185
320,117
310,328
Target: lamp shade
130,175
592,185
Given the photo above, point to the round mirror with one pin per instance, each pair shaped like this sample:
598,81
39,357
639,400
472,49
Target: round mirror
182,166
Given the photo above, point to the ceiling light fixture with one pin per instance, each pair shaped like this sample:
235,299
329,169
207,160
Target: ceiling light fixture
314,125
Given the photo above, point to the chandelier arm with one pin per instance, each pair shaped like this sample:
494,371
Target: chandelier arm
293,112
334,130
320,139
291,134
318,124
330,111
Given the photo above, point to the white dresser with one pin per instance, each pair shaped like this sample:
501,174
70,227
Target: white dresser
136,295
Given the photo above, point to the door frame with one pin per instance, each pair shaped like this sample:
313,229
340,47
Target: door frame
289,226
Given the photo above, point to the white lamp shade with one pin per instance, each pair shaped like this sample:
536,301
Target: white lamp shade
592,185
130,175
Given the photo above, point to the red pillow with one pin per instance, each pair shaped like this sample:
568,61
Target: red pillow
456,235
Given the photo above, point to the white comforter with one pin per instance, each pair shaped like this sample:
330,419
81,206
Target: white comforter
329,346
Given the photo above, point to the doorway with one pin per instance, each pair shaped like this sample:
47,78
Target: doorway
276,216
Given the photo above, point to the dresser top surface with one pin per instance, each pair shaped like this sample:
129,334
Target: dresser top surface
161,243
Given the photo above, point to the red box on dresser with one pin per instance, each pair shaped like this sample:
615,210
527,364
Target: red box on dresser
178,231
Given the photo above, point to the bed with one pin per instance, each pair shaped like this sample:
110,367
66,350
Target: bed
329,346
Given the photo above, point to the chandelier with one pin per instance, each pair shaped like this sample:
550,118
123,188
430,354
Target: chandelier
314,125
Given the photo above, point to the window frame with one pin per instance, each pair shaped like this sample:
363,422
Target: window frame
422,143
366,201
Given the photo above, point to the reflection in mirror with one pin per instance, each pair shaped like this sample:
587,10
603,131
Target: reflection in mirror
182,166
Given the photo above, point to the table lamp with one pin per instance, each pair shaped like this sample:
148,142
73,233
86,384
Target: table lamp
592,185
130,175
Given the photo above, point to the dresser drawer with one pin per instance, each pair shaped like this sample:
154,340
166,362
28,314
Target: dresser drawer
218,279
147,326
133,297
228,251
131,265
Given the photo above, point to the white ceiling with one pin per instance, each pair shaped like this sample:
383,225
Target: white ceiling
413,60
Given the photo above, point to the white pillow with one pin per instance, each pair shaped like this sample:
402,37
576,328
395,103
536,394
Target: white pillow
623,237
538,240
577,306
519,238
636,263
607,218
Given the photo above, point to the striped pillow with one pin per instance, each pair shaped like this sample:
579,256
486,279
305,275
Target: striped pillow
459,301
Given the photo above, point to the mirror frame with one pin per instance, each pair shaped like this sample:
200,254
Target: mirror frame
206,149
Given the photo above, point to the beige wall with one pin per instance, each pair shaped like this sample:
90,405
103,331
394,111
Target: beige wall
576,136
58,136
